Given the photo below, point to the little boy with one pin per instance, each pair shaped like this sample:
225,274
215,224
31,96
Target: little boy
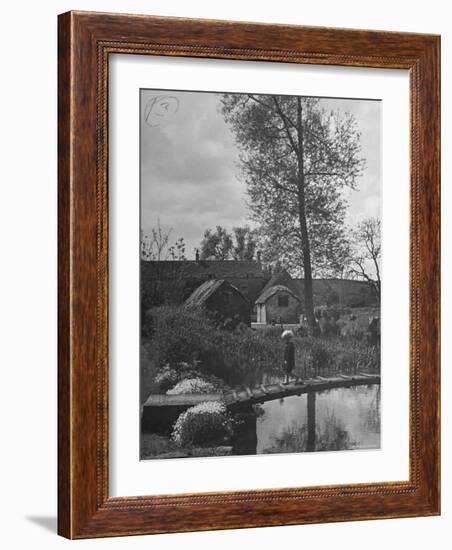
289,353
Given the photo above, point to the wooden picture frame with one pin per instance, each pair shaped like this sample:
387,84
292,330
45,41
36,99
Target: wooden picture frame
85,42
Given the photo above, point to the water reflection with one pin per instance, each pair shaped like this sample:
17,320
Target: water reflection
337,419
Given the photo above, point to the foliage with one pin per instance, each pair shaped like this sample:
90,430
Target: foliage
192,385
205,424
222,245
180,336
148,370
157,246
245,243
154,444
294,439
163,283
273,332
332,436
349,355
188,343
216,244
185,344
321,357
296,159
167,377
247,356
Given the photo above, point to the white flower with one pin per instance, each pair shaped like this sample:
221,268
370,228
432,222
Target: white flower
192,385
215,410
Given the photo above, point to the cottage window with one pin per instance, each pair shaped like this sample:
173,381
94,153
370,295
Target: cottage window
283,300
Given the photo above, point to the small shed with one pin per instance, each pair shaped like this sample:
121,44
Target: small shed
278,303
223,299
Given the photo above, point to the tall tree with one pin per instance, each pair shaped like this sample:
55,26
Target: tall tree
365,253
220,244
216,244
295,159
245,243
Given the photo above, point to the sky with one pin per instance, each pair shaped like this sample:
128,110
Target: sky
189,164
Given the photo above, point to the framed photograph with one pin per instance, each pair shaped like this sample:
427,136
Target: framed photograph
248,275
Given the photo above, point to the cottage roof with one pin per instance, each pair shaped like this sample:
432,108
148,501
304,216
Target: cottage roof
271,291
199,296
202,269
283,278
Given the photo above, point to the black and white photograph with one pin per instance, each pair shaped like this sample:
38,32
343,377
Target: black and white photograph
260,274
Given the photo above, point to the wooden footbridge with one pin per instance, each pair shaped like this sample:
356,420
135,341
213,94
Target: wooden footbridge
162,410
236,399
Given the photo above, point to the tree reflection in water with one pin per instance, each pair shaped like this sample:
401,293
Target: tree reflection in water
332,436
373,422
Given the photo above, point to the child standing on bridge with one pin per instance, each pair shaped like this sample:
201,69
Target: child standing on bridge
289,353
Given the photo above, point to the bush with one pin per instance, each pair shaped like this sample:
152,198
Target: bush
246,356
148,371
179,334
186,344
272,332
167,377
190,345
332,355
367,357
321,358
332,436
170,376
192,385
206,424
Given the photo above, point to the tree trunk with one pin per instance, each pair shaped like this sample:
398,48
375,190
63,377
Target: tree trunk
307,269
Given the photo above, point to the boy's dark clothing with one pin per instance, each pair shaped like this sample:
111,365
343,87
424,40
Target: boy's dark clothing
289,357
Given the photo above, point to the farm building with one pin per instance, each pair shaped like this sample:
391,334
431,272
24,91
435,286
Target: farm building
174,281
222,299
328,292
282,298
278,304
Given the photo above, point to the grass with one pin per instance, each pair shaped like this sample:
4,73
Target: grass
154,446
334,355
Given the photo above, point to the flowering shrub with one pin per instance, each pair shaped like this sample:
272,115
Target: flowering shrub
167,377
192,385
170,376
205,424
